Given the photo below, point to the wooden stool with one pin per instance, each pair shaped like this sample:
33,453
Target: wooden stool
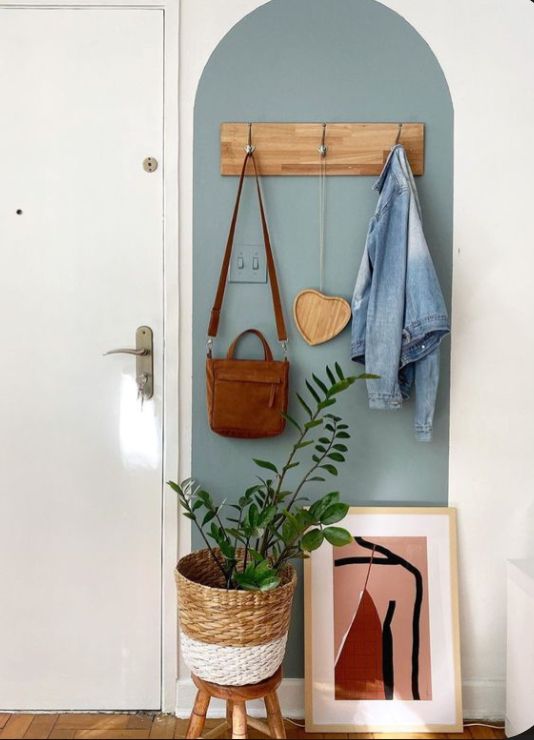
236,712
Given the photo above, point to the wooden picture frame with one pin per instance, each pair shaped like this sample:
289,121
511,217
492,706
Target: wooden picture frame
404,675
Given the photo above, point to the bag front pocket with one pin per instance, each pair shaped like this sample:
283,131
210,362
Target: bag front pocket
246,404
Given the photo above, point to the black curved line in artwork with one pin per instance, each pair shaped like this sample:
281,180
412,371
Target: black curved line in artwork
393,559
387,653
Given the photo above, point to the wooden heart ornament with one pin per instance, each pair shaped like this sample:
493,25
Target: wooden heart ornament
320,317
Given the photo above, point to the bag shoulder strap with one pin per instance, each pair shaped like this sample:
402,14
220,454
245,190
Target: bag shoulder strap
271,269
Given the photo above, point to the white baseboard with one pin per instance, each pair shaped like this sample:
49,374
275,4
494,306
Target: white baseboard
483,699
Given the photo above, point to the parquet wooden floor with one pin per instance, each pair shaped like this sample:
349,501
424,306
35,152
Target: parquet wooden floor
118,726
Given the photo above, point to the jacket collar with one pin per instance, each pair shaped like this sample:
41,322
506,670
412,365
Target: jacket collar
393,156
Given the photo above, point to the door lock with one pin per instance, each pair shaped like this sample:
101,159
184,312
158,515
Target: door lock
144,361
150,164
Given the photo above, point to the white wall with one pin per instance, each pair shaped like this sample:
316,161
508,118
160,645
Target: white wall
485,48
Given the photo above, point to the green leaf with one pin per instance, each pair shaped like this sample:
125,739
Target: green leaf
291,420
305,405
208,517
266,464
320,448
341,448
317,508
313,392
337,456
312,424
342,385
253,515
304,519
175,487
267,516
289,531
246,582
331,376
252,490
337,536
324,440
227,550
327,403
189,516
367,376
237,534
262,567
293,465
312,540
339,371
304,444
317,478
329,468
334,513
320,384
255,555
342,435
269,583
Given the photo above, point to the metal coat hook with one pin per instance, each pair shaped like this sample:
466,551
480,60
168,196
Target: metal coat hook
249,148
398,134
323,148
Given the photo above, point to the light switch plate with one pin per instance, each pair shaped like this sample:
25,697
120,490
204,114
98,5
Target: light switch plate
248,264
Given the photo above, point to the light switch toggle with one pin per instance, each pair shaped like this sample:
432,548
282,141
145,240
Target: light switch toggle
248,264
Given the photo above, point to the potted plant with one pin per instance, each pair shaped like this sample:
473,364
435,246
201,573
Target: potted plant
235,595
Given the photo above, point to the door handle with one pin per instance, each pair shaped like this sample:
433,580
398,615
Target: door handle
138,352
144,361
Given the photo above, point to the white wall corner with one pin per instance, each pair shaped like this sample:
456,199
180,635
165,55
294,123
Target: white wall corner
483,699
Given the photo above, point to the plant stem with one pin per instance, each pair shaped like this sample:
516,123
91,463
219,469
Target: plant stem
212,553
313,468
265,540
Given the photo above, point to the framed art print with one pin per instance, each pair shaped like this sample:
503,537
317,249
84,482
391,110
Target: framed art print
381,619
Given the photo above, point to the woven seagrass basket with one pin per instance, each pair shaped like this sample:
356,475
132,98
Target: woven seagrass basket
231,637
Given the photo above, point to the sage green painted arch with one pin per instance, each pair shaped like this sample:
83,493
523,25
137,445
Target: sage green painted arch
318,60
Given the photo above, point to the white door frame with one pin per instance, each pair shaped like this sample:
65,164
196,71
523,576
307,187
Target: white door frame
170,466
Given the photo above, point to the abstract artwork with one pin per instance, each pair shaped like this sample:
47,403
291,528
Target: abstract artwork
381,622
382,625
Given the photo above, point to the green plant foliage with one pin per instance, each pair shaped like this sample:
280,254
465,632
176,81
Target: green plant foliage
271,523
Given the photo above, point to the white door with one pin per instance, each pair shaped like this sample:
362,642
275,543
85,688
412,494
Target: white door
81,100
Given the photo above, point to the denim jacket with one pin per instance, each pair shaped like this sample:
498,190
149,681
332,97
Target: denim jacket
398,313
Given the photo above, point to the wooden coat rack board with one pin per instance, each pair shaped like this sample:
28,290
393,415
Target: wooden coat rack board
291,148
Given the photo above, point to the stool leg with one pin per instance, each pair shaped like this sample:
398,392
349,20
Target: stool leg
229,715
239,720
274,716
198,715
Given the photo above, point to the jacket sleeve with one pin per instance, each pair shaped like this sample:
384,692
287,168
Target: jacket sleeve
426,321
385,311
426,388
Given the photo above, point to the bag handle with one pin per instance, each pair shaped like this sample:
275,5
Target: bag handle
268,355
219,296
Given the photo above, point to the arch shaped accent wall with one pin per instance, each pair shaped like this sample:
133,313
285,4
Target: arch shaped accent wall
342,60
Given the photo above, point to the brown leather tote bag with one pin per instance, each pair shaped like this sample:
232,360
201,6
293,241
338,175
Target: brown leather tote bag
246,398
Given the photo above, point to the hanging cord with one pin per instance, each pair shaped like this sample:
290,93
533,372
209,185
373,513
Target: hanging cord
322,206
